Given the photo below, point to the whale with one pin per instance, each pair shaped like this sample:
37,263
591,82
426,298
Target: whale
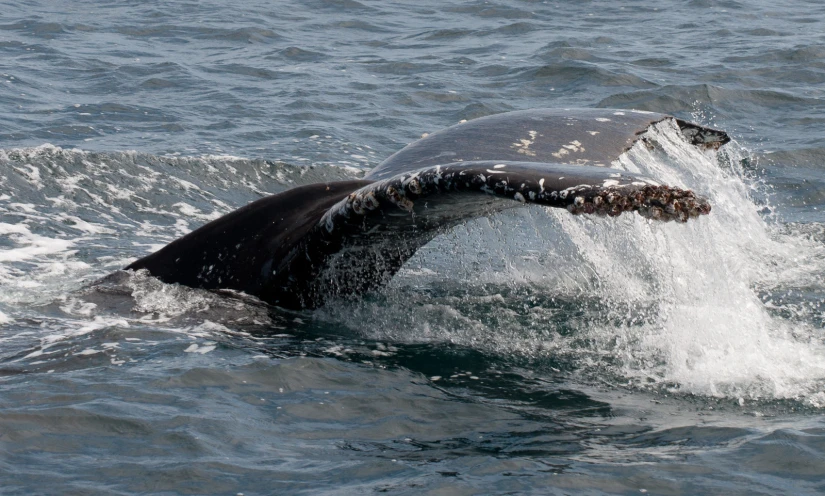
302,247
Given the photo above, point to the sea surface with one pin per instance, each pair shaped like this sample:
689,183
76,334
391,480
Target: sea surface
530,353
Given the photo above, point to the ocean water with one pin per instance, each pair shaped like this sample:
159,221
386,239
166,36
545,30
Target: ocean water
530,353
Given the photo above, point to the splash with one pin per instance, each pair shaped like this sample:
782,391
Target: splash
702,308
704,328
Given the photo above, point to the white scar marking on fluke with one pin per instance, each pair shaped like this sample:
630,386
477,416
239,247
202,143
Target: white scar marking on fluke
593,133
602,119
499,166
573,146
523,145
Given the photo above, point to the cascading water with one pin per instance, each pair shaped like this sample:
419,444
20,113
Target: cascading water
709,332
694,308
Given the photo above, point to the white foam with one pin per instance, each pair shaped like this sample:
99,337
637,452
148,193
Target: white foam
31,246
194,212
202,349
83,226
153,296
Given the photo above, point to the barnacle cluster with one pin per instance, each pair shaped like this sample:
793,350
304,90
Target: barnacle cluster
663,203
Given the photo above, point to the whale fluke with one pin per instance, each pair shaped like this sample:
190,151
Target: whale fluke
298,248
562,136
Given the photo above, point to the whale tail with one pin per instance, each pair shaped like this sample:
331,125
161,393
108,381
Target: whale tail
298,248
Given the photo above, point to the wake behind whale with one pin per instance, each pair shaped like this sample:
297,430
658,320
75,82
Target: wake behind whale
298,248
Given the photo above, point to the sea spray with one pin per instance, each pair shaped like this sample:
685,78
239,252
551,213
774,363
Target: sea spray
707,332
673,306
